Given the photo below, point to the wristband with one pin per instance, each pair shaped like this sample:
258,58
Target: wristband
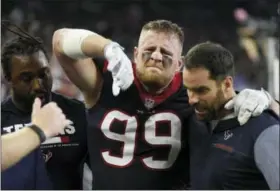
39,132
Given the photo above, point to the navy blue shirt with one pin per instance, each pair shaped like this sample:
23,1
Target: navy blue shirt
30,172
225,157
63,154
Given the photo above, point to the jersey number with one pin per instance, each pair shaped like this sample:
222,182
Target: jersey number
173,140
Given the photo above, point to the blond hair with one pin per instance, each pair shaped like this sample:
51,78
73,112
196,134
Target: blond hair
166,27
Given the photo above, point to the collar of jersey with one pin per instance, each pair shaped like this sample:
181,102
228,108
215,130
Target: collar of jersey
226,124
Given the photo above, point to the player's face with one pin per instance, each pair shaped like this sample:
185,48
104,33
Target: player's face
206,95
157,58
30,78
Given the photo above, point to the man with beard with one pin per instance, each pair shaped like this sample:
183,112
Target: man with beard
25,67
228,156
137,112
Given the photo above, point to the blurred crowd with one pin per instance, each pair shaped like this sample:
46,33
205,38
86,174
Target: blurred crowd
211,20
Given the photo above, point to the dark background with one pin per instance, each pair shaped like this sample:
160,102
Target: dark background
122,20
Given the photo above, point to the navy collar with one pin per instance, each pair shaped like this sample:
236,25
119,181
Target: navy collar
227,124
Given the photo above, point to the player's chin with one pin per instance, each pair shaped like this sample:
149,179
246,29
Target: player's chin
202,116
155,75
28,101
154,80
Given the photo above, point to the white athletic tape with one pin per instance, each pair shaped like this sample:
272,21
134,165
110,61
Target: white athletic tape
72,41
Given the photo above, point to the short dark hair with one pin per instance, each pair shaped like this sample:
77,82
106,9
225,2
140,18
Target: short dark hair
165,26
23,44
215,58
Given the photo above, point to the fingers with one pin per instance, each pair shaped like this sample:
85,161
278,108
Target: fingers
53,106
64,121
111,65
68,122
36,106
246,110
50,119
121,68
116,87
114,63
259,109
249,104
61,116
244,116
229,105
240,101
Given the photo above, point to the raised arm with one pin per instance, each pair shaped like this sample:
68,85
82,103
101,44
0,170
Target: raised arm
74,49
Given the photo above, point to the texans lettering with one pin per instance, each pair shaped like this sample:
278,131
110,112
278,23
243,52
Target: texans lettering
69,130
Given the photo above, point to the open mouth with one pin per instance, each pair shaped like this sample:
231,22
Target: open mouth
200,111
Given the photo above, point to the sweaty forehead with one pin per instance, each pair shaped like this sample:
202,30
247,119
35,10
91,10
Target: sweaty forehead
35,61
153,38
196,77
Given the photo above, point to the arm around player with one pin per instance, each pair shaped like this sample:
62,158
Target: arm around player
48,120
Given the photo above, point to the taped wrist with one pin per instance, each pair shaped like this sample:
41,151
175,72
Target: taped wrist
72,42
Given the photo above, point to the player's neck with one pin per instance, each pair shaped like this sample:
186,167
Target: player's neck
152,90
155,90
224,114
